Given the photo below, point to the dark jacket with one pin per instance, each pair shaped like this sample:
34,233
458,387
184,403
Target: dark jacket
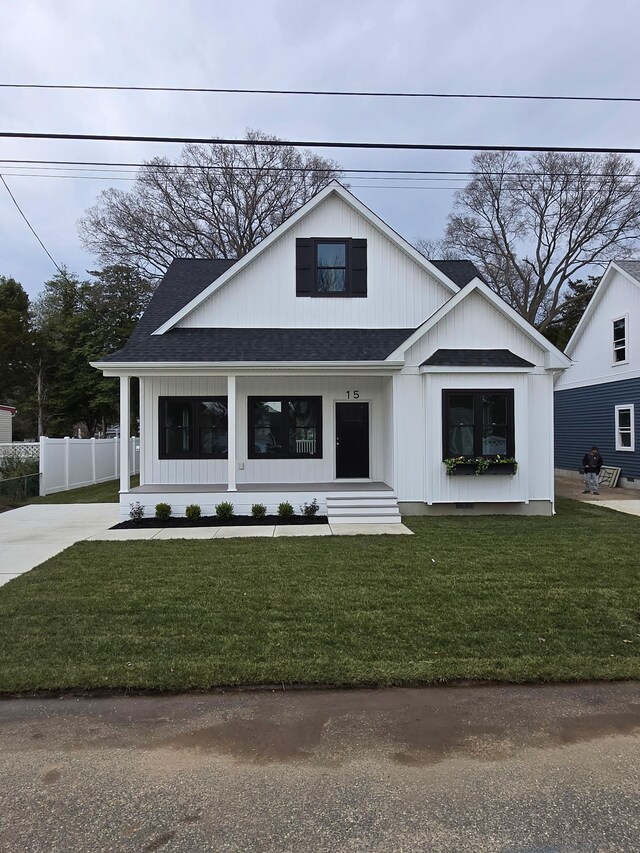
592,462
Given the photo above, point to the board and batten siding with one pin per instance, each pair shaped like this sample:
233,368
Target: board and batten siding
400,293
592,354
5,427
474,324
585,416
375,390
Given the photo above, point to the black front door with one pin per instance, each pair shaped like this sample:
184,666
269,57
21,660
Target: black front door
352,440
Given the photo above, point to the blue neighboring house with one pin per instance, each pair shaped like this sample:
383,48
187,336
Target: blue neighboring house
597,401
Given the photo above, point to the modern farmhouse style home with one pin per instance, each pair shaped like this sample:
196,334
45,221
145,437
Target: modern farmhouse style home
598,400
335,362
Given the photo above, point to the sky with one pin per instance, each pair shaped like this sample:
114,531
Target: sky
571,47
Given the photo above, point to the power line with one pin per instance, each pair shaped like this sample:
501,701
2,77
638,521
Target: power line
282,143
322,93
31,228
346,171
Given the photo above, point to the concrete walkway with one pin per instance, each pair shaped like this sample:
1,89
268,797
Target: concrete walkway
32,534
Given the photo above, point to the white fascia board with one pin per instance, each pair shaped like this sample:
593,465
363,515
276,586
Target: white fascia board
595,301
299,368
554,358
333,188
442,368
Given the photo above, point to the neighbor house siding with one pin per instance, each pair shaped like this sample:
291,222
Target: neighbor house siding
586,416
5,427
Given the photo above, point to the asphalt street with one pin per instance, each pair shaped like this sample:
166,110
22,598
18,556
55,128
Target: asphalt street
444,770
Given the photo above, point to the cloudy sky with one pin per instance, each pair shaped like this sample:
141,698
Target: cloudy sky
582,47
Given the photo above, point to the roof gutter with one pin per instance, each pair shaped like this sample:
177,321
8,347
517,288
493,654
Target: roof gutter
151,368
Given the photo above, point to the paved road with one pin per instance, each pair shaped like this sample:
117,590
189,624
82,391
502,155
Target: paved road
515,770
32,534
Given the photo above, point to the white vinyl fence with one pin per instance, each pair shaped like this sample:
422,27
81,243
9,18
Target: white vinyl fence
68,463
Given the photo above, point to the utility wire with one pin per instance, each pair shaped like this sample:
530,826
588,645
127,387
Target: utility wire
323,93
282,143
404,173
31,228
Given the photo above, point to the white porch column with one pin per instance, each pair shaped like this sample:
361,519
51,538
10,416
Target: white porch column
232,464
125,420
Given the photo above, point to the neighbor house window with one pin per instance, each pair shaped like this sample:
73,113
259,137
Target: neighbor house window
193,428
625,428
478,423
619,340
285,427
331,266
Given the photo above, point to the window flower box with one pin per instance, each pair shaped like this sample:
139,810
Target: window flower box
461,465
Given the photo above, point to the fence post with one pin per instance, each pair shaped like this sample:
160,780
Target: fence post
93,460
41,452
116,444
67,440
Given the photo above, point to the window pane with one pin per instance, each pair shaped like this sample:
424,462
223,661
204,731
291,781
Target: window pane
625,439
304,416
460,423
332,280
178,433
269,431
624,418
331,255
212,420
619,330
620,354
494,424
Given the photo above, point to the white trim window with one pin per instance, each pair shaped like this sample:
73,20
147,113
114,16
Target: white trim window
620,326
625,428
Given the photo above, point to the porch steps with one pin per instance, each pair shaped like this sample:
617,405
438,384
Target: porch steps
363,508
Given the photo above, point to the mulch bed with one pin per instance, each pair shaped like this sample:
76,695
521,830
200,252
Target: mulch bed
213,521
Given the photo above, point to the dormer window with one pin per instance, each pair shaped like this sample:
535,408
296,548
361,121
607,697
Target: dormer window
331,266
620,340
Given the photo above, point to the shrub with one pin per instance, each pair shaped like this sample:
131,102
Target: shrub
310,509
136,511
258,510
14,464
285,510
193,512
163,511
224,510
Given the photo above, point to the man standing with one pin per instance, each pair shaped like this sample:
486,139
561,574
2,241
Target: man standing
592,462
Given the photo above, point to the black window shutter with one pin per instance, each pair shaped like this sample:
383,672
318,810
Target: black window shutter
358,264
304,267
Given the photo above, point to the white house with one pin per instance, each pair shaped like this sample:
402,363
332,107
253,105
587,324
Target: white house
334,362
6,424
598,400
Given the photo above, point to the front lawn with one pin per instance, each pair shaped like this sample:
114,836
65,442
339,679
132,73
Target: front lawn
108,492
511,599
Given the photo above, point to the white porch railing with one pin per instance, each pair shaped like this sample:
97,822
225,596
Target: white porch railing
68,463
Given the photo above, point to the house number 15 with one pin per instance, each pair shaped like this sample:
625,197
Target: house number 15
353,395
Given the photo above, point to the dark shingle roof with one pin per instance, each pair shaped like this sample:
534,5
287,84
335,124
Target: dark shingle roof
632,267
460,272
262,345
475,358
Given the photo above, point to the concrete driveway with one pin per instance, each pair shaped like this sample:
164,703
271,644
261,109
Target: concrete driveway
31,534
444,770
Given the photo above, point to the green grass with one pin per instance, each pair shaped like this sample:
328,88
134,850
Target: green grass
101,493
507,599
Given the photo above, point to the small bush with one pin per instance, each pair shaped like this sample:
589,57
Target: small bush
285,510
258,510
14,464
310,509
136,511
163,511
193,512
224,510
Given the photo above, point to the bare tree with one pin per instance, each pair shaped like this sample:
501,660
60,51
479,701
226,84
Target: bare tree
434,249
530,224
217,202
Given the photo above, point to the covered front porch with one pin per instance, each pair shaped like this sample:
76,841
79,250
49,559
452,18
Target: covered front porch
272,438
